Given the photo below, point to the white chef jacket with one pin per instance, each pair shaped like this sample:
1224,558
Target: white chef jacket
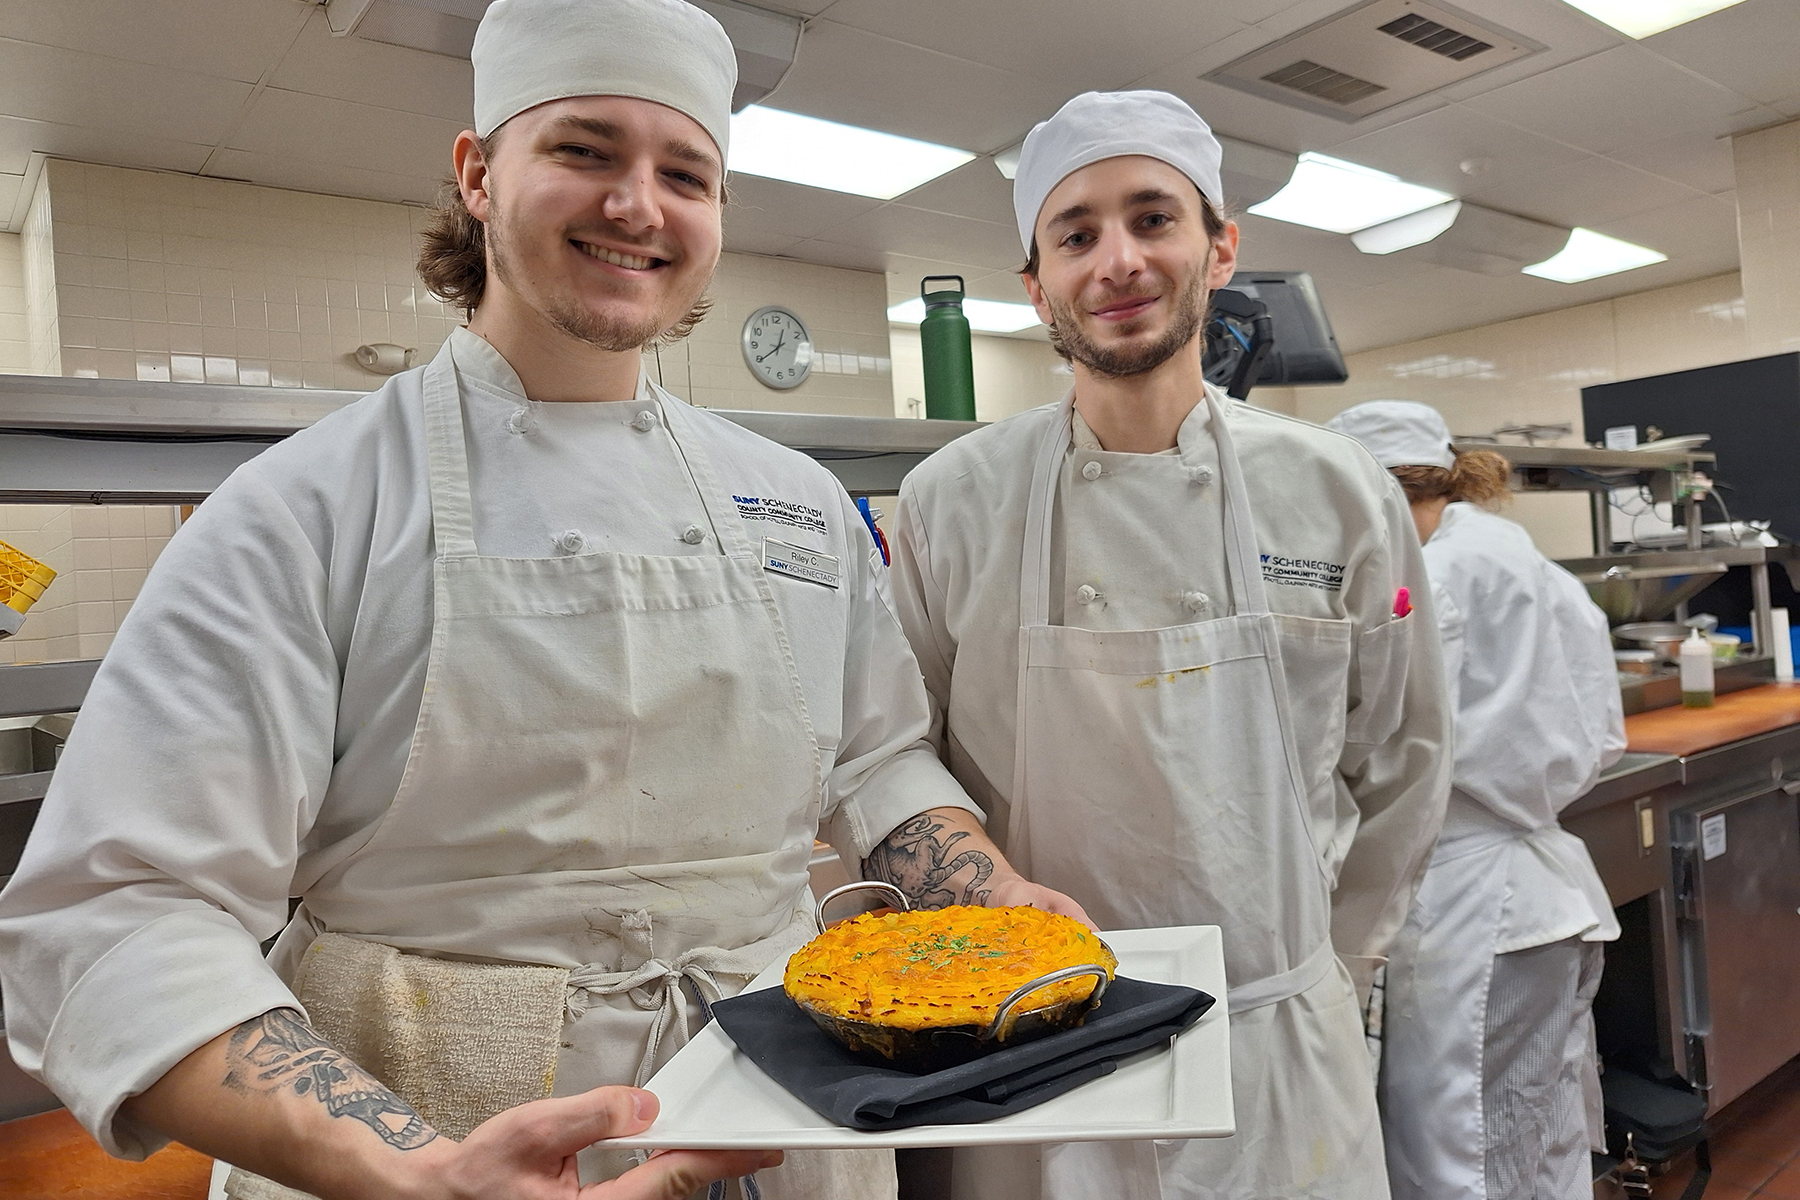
1538,717
1337,541
252,720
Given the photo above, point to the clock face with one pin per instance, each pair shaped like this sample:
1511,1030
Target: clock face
777,348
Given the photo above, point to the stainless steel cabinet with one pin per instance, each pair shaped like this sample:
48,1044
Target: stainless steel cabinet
1737,905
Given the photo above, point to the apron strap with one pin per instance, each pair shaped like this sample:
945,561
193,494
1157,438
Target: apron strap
728,527
447,459
1243,561
1034,567
1289,983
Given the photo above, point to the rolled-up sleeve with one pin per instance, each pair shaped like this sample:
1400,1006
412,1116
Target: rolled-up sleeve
163,855
1398,780
886,770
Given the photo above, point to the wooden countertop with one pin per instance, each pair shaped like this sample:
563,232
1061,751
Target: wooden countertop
1735,716
50,1157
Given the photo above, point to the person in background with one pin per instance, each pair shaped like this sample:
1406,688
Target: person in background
1489,1084
487,671
1196,703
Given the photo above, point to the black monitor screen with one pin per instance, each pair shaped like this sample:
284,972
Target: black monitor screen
1305,351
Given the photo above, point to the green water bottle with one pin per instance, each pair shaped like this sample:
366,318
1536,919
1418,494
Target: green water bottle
949,358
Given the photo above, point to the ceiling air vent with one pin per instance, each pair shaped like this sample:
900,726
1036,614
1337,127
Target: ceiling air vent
1323,82
1439,39
1372,56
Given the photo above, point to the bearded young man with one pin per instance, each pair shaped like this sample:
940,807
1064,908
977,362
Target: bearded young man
490,672
1160,633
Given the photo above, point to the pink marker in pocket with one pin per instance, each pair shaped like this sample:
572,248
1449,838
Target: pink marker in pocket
1402,603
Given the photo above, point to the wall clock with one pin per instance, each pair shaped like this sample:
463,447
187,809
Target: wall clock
777,348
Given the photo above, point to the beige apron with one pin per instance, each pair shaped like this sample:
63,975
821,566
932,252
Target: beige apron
1159,780
614,779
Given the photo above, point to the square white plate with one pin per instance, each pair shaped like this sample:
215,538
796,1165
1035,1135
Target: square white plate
715,1098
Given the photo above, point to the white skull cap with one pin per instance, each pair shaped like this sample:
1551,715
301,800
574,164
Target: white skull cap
1399,433
529,52
1099,125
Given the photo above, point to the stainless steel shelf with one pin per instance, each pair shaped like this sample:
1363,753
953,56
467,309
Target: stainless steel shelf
32,689
78,441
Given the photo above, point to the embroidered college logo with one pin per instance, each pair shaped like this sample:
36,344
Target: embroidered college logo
781,512
1303,572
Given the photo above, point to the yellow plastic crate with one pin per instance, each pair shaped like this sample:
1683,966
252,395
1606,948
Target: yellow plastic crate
22,582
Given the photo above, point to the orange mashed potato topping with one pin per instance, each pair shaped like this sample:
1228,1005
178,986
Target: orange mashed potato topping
949,967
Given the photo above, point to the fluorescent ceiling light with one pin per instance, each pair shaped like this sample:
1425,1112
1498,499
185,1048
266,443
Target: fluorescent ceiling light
1342,197
840,158
1641,18
1590,255
1403,232
989,316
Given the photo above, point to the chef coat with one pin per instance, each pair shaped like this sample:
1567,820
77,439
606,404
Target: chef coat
1337,542
250,725
1538,717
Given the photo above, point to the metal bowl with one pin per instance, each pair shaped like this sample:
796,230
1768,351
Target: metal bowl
922,1051
1664,638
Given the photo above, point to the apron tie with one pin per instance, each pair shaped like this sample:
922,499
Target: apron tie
655,984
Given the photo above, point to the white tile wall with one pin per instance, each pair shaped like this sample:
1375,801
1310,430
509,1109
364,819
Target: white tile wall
1768,193
1532,370
100,554
39,275
171,277
845,311
15,334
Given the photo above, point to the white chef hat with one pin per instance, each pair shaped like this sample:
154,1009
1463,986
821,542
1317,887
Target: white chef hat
1399,433
529,52
1098,125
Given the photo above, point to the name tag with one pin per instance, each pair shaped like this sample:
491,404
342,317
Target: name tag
799,562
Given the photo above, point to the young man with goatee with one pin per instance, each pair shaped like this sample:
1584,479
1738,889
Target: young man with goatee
1167,639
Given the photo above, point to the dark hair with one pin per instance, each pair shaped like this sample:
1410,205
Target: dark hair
453,253
1477,476
1210,217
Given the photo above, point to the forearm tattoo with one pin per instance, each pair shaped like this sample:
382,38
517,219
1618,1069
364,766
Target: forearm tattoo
916,859
279,1050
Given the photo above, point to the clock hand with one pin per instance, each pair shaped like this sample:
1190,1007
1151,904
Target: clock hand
775,347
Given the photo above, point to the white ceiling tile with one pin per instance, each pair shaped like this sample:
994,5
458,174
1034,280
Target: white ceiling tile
827,254
975,189
797,8
9,195
286,171
1751,48
341,133
903,230
1700,235
46,83
1699,161
845,74
231,39
1079,43
350,68
775,216
1621,97
906,272
1431,148
1589,191
19,139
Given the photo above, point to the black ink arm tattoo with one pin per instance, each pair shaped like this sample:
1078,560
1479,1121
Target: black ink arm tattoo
279,1050
916,859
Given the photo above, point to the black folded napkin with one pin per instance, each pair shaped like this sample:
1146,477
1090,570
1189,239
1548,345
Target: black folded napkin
775,1035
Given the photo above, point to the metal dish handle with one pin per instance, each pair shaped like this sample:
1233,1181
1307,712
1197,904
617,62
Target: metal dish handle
1057,976
865,885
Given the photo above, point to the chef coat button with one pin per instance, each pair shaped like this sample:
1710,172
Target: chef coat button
519,422
644,422
693,535
1087,593
1197,602
572,541
1201,475
1091,471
